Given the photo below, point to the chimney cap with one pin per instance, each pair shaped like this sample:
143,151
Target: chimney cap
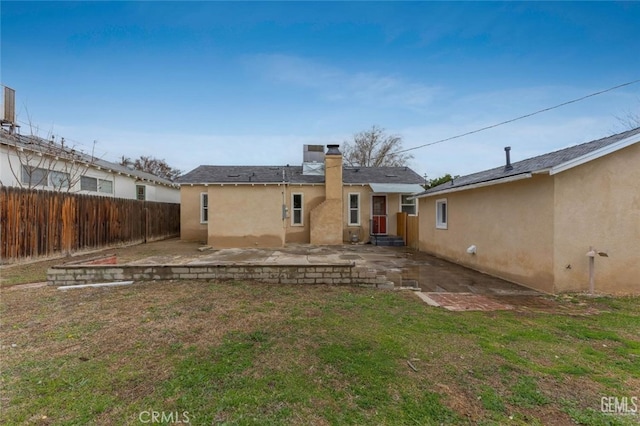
332,149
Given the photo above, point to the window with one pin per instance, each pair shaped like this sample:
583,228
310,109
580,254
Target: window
141,192
204,207
105,186
296,209
354,209
33,176
96,185
59,180
441,213
408,204
88,184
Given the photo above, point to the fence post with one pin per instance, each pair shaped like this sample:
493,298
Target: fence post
146,224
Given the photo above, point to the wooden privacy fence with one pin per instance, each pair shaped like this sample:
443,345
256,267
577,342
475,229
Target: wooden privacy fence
43,223
407,228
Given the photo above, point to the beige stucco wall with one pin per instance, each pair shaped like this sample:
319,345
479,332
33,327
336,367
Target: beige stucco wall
238,215
190,227
246,216
511,225
361,230
326,224
313,195
598,204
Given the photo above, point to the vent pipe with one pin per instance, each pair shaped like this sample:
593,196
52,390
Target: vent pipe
507,151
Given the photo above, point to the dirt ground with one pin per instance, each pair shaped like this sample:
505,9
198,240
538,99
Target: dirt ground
36,271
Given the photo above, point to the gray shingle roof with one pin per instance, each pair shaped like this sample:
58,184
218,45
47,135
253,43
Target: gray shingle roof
534,164
293,174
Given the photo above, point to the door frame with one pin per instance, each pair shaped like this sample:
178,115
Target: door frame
386,214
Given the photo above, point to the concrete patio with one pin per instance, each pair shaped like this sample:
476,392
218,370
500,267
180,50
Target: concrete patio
402,266
435,281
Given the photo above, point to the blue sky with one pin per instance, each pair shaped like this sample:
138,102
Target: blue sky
251,82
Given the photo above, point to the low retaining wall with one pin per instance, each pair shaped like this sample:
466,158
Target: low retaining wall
349,274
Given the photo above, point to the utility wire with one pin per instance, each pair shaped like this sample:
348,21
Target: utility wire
519,118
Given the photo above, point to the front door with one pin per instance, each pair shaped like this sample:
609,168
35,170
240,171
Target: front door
379,214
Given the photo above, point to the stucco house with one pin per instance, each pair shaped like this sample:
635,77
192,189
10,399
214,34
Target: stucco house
319,202
37,163
564,221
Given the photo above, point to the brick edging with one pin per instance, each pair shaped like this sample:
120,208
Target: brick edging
347,273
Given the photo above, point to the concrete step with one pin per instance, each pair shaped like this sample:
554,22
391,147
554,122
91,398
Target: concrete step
387,240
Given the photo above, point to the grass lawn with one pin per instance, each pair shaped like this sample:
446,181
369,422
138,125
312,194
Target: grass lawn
245,353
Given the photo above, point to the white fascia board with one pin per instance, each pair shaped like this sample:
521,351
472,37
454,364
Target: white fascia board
249,183
234,183
478,185
593,155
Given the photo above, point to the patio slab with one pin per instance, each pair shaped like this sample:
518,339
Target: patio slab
403,266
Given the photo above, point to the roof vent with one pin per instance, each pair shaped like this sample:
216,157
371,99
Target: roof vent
507,152
313,154
313,169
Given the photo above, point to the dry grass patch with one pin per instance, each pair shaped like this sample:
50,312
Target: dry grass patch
246,353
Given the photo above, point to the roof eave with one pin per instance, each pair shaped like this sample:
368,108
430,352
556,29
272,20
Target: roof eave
113,168
593,155
478,185
243,183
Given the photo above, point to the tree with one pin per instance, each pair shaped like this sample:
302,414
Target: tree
629,121
431,183
374,148
152,165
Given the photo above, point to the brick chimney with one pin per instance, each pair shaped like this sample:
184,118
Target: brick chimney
333,173
326,219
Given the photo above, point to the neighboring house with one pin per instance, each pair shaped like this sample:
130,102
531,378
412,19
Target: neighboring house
534,221
32,162
320,202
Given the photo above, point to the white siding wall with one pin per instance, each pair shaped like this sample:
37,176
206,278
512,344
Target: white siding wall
123,186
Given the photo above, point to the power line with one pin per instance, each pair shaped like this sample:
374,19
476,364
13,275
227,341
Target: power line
519,118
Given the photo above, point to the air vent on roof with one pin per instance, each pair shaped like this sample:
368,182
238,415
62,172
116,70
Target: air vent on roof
391,176
313,169
313,154
233,175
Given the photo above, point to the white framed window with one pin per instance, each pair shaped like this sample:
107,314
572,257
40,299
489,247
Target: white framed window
297,202
94,184
354,209
88,184
105,186
59,180
408,204
442,213
141,192
34,176
204,207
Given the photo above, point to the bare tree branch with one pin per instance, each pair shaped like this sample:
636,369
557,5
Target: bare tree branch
152,165
374,148
45,163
